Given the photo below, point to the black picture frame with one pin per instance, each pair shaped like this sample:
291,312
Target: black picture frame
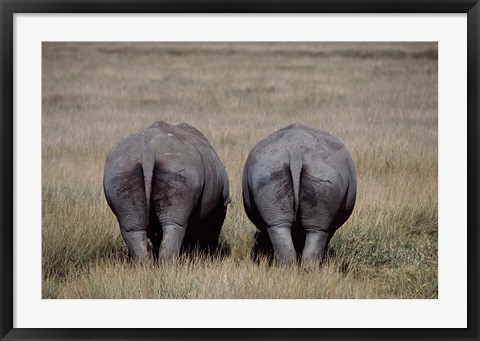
9,8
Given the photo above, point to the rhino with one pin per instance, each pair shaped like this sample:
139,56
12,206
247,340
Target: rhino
299,186
167,184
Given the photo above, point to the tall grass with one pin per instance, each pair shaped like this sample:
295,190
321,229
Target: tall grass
379,99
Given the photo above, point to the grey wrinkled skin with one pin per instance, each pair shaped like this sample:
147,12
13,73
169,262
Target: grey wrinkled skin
166,183
299,186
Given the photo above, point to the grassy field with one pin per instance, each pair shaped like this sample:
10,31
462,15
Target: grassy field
379,99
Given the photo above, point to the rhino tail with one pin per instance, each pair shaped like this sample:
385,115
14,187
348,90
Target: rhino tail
148,164
296,164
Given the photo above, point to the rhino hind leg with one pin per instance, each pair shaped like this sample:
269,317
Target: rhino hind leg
263,248
134,231
135,236
174,195
318,232
172,239
316,242
125,194
283,248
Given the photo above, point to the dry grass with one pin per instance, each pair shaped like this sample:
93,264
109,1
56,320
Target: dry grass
379,99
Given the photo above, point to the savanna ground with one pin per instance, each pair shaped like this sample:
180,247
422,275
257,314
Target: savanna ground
379,99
